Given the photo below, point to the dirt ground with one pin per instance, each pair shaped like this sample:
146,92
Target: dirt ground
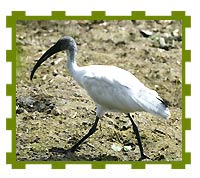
53,111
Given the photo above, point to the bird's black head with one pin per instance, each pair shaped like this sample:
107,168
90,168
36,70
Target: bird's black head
64,43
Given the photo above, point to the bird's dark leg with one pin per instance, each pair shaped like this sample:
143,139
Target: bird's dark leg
135,129
74,148
91,131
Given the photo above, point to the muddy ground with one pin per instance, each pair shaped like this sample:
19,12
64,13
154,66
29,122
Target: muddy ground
53,111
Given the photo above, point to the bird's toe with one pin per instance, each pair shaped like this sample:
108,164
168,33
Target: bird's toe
143,156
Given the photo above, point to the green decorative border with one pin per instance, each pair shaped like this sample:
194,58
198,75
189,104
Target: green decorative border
95,15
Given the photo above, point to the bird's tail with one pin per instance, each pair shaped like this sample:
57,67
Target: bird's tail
162,109
154,104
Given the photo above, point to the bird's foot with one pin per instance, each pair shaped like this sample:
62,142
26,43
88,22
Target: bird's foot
143,156
61,150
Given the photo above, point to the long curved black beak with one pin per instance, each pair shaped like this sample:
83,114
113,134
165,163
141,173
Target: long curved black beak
54,49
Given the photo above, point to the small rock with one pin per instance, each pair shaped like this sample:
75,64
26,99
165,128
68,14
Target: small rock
116,147
127,148
55,112
19,110
162,42
77,94
44,77
156,87
27,130
74,115
51,106
48,111
146,33
160,157
175,33
55,72
178,62
166,35
126,126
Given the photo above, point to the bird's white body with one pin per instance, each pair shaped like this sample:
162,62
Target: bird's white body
117,90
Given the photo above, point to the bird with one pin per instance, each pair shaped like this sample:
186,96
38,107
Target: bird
113,89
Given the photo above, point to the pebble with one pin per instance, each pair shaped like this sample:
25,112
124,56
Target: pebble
175,33
19,110
116,147
55,72
127,148
156,86
55,112
44,77
126,126
146,33
162,42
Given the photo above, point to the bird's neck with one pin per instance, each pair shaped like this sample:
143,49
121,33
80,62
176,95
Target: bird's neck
71,62
75,71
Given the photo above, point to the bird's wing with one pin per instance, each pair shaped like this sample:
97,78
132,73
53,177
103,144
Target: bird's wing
148,100
110,87
151,102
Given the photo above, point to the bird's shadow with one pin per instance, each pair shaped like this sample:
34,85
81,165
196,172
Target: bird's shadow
58,155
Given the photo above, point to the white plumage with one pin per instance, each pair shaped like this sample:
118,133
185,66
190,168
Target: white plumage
112,89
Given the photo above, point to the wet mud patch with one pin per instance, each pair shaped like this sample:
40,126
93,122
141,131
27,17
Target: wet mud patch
33,104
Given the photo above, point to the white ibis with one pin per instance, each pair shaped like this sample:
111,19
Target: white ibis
112,89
